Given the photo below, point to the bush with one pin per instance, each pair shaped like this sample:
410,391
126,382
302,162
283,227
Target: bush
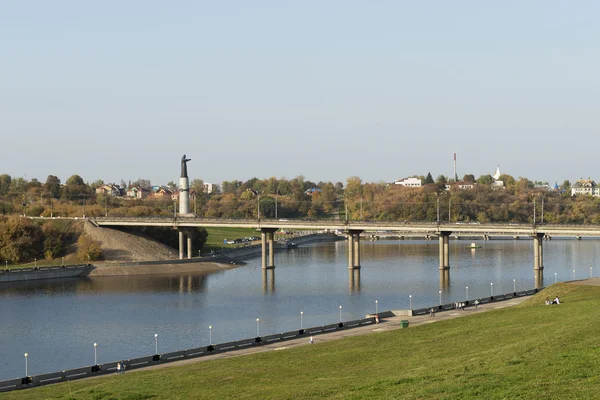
88,249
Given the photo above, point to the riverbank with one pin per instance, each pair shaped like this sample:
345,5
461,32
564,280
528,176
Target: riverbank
165,267
526,351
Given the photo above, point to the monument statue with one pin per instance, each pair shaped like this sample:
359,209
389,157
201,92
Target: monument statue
184,166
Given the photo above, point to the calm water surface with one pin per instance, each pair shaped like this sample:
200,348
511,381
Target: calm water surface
58,321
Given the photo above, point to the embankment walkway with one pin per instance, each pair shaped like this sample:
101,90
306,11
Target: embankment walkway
387,324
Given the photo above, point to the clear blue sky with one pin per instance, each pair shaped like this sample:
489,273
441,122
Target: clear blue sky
324,89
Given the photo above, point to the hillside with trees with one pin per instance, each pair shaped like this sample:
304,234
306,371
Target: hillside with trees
22,240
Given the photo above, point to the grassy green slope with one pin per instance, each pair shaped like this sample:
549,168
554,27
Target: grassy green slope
214,241
529,351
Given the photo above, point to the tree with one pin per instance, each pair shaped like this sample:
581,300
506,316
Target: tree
143,183
507,179
172,186
52,186
469,178
428,179
197,186
96,184
485,179
75,180
74,188
88,249
441,180
353,188
20,240
5,184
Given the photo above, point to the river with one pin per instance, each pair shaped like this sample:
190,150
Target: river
57,321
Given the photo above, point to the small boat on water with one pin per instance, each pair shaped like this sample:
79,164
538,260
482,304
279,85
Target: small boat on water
473,246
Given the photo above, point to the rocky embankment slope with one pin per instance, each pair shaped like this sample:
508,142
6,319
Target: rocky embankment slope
122,246
128,254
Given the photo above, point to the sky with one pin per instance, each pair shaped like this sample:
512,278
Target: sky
382,90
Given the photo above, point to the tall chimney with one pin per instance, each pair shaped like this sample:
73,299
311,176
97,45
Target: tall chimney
455,176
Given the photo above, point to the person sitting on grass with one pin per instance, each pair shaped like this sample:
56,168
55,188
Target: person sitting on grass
556,300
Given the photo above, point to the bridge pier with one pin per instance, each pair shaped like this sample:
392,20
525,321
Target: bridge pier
354,248
181,244
538,252
444,240
182,241
268,247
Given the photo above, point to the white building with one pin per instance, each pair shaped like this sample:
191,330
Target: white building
208,188
585,186
410,182
463,185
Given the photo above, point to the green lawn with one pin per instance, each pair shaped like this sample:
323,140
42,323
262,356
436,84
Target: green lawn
217,235
531,351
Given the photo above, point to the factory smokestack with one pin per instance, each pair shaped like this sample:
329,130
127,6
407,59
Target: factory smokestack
455,176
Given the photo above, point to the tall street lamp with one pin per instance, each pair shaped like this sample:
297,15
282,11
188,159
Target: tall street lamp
156,342
26,355
257,327
440,293
467,290
514,285
410,301
301,318
492,288
376,307
95,360
340,313
210,335
438,207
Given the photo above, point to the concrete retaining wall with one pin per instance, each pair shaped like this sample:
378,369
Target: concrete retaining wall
26,274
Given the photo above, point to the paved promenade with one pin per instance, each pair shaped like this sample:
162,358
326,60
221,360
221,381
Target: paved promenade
388,324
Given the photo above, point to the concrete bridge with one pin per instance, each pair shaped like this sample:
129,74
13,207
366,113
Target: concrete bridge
353,230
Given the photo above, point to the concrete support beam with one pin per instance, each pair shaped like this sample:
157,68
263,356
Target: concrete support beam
268,247
181,244
538,251
189,246
350,251
271,236
263,242
356,251
354,248
444,250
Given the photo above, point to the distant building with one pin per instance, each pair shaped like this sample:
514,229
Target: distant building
135,192
162,192
109,190
497,184
463,185
409,182
208,188
585,186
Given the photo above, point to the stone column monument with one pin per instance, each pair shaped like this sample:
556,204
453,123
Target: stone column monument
184,188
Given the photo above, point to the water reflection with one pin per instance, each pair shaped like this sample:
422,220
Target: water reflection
191,283
538,278
354,281
444,279
268,280
59,320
